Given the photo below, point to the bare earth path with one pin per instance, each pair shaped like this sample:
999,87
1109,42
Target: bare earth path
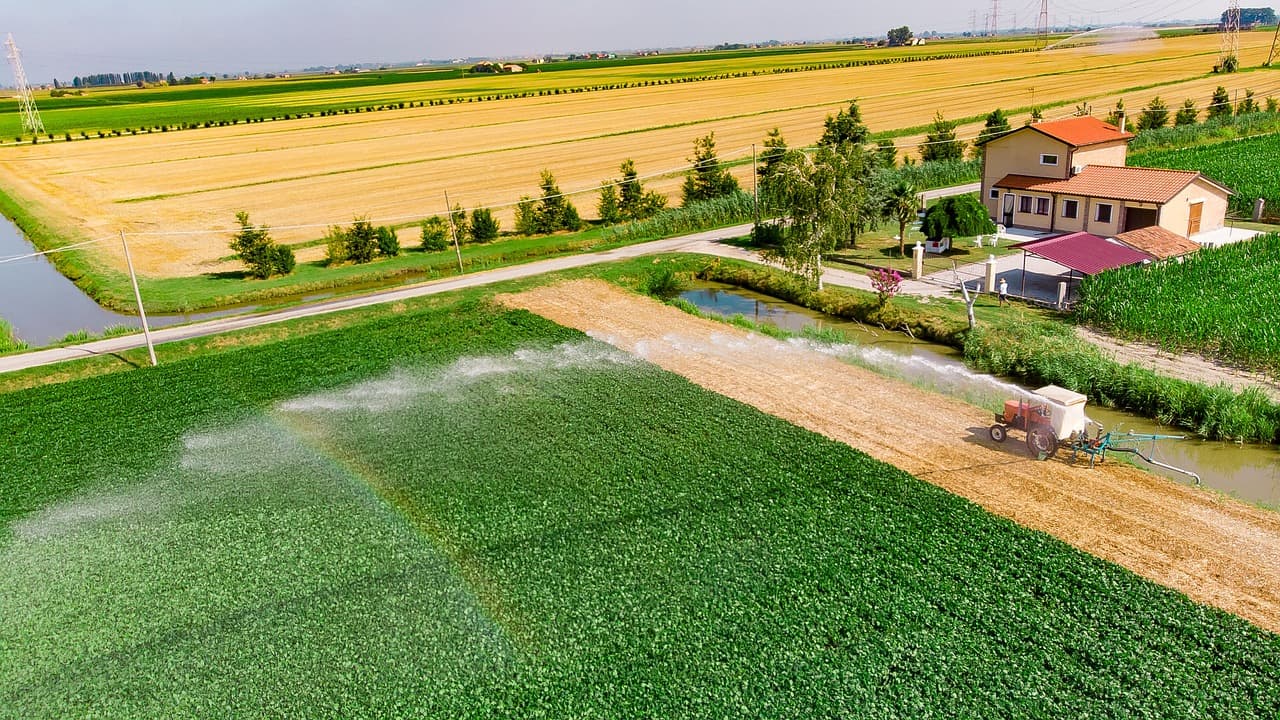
1182,366
1216,550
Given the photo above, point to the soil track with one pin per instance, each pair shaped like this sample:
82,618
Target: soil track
1216,550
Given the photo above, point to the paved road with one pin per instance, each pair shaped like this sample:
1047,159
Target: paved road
707,243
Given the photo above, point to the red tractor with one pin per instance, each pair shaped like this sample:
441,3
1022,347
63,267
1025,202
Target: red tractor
1049,416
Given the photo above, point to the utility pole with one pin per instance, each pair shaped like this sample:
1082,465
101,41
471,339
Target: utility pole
31,121
137,294
453,229
755,185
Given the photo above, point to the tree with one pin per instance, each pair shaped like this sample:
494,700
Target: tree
956,216
1187,114
459,217
1037,115
899,36
940,142
361,241
171,79
997,124
435,234
554,211
607,208
484,226
707,179
1154,115
1116,116
259,252
1253,16
335,245
526,216
634,202
886,283
1219,104
1248,104
774,148
824,199
845,127
900,205
886,153
388,242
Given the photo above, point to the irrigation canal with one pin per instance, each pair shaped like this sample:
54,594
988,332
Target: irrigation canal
43,306
1248,472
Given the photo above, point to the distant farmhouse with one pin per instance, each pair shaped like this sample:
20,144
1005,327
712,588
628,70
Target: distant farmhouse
1069,176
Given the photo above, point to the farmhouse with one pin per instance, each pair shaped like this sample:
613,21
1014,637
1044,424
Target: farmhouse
1070,176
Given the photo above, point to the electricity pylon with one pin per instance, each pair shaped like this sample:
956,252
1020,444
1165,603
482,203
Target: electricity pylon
31,121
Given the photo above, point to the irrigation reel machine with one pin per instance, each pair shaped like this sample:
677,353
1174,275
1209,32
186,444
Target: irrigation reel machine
1053,418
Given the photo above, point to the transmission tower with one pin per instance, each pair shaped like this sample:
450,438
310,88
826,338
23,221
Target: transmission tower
1230,37
1272,55
994,17
31,121
1042,25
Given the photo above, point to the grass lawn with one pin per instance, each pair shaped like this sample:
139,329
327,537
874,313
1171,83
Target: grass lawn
444,509
879,248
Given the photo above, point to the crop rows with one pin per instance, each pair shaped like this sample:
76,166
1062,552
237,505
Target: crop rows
308,173
1247,166
464,512
1218,301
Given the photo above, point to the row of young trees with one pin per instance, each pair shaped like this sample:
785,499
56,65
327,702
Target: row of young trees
1156,114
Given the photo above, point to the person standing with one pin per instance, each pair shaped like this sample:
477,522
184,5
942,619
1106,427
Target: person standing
1004,291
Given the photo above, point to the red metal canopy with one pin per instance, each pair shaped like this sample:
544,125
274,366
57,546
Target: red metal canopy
1085,253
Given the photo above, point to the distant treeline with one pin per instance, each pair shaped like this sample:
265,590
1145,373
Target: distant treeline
145,77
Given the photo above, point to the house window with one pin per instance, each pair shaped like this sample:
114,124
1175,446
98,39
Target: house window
1071,209
995,194
1049,159
1042,206
1024,204
1104,213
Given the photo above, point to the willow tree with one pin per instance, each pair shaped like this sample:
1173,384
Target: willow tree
819,196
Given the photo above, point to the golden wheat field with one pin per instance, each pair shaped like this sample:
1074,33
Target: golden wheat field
176,194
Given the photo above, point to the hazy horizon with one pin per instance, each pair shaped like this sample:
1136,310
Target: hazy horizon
77,37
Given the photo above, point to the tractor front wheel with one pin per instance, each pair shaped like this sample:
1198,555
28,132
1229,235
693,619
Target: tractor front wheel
999,433
1042,443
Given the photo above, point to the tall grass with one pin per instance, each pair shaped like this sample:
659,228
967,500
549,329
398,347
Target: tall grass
737,207
1209,131
931,175
8,341
1050,353
1219,302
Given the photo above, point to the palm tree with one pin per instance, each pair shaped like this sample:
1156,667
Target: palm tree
900,205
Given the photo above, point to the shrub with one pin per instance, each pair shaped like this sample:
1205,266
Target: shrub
388,242
258,252
335,252
362,241
435,234
484,226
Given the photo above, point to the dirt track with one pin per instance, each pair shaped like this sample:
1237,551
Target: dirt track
1217,551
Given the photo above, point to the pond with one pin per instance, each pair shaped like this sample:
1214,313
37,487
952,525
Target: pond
1248,472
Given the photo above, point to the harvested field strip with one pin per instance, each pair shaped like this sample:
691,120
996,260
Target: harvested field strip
465,512
1216,550
397,165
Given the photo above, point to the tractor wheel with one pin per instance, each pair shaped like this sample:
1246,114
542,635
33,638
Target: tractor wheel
1042,443
999,433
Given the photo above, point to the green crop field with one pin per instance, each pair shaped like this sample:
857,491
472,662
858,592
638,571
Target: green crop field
231,100
1247,166
465,512
1219,301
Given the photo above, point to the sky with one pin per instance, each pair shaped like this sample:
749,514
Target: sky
81,37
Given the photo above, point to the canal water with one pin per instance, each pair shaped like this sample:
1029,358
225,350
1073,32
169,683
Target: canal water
1248,472
43,306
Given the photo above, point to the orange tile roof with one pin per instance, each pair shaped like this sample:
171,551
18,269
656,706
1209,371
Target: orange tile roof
1158,242
1133,184
1081,131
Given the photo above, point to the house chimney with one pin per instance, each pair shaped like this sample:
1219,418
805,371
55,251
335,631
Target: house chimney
1123,118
